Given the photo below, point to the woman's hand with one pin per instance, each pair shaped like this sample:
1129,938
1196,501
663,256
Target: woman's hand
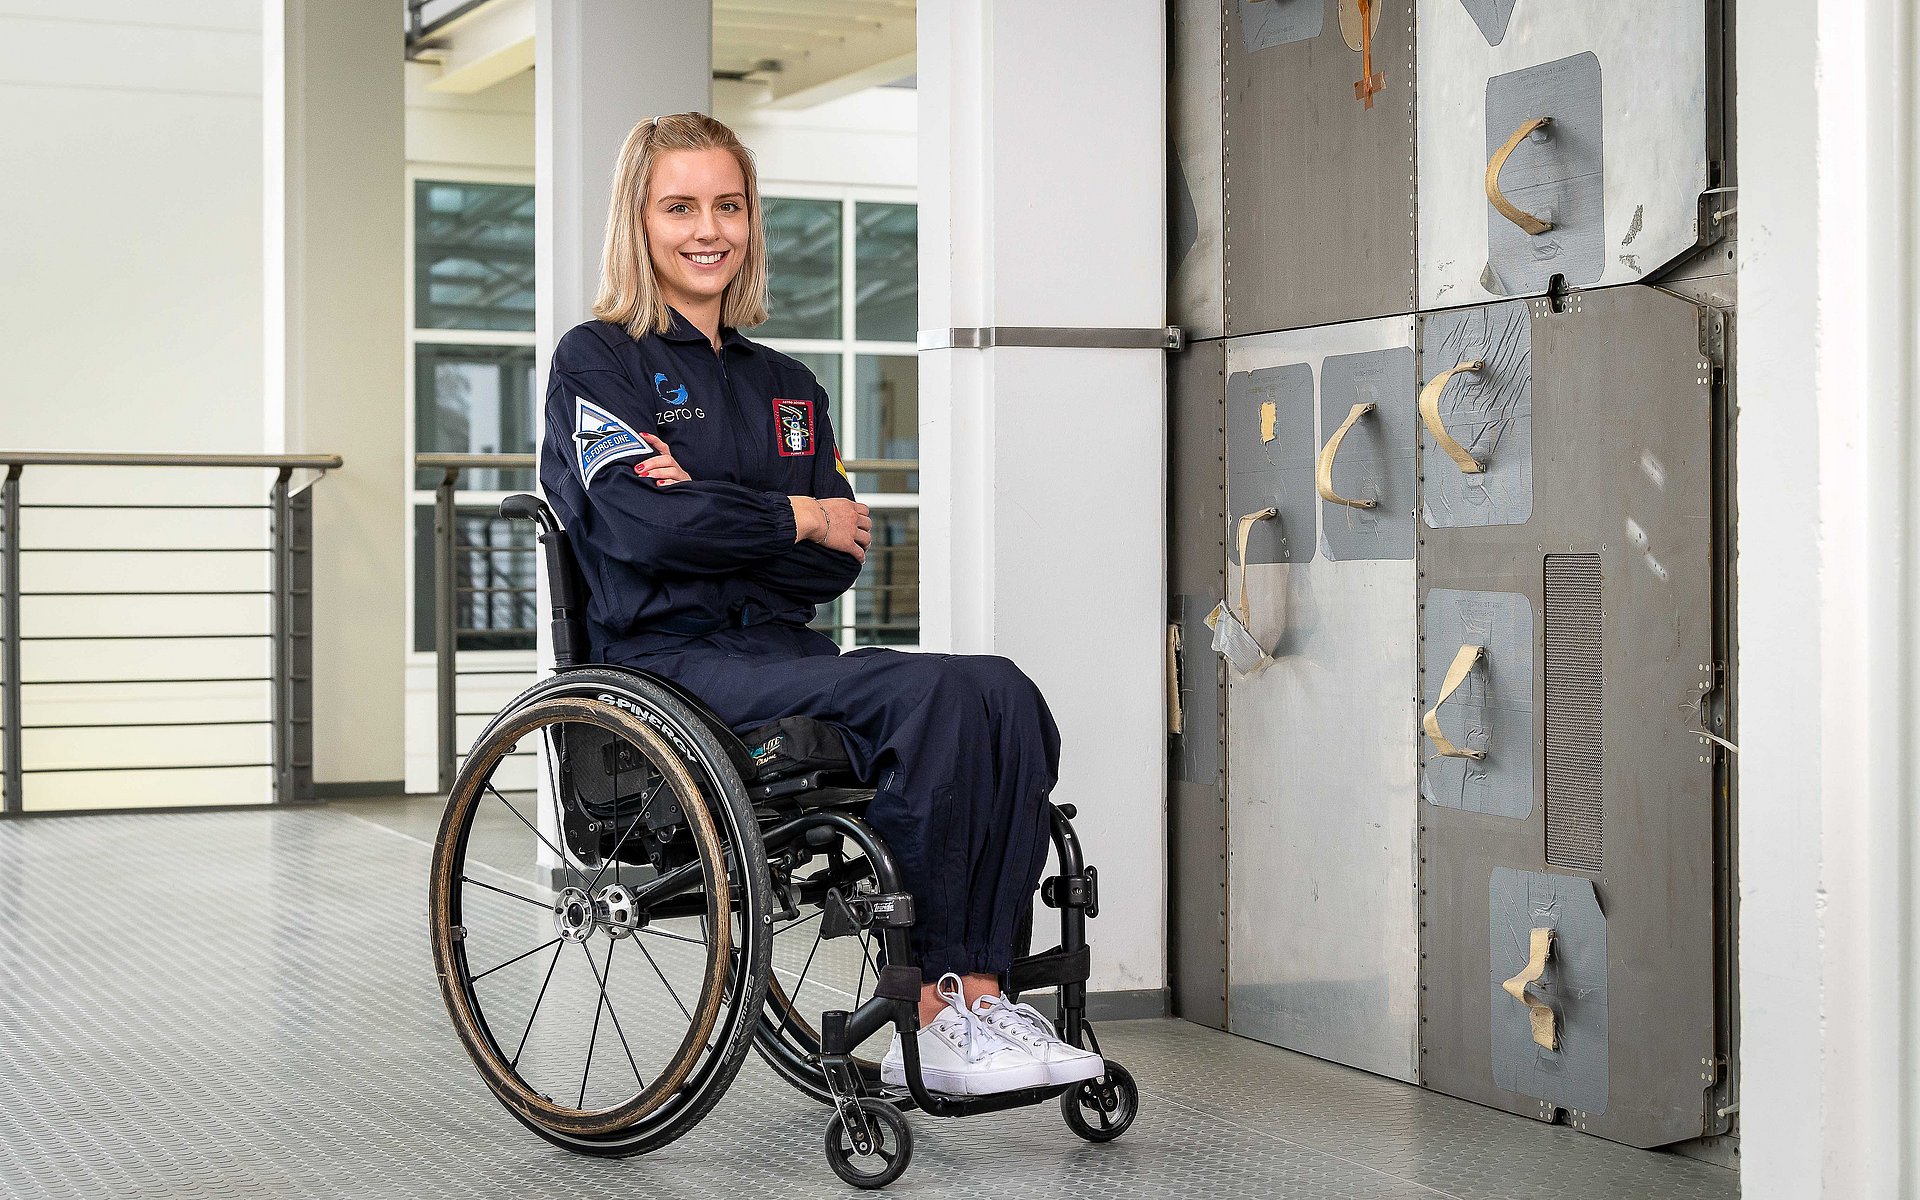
837,524
661,468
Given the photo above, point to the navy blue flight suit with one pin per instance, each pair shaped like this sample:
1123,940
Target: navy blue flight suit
702,582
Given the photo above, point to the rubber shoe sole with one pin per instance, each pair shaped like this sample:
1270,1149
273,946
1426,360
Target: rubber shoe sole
1034,1074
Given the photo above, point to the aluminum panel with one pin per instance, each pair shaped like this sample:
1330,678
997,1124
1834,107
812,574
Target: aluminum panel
1319,206
1557,174
1572,1073
1653,56
1196,578
1194,199
1491,713
1322,799
1489,412
1270,462
1623,451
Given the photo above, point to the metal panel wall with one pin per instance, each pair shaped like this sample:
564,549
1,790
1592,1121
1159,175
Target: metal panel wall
1318,177
1194,213
1622,451
1196,580
1649,68
1321,793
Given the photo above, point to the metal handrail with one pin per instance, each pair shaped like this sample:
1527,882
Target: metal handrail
291,592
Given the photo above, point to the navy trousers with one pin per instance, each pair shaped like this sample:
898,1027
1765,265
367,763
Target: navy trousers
960,749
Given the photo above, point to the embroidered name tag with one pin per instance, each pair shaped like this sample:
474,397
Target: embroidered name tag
600,438
793,425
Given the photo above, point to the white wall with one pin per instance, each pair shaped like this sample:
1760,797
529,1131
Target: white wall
130,277
1829,576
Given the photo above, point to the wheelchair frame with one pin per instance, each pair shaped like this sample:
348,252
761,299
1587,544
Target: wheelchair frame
811,810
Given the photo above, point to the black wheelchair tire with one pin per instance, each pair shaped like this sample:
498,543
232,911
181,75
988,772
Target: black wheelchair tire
888,1123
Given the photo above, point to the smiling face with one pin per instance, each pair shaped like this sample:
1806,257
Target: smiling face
697,227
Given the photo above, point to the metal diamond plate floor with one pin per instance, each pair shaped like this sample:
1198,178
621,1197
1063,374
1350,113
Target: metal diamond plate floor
243,1004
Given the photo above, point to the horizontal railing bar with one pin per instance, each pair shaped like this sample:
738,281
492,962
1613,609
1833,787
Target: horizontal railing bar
502,671
441,462
146,549
478,591
470,548
195,592
878,466
134,637
145,725
150,767
247,507
214,679
73,458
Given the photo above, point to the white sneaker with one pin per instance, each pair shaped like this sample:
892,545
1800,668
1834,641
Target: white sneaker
960,1055
1027,1027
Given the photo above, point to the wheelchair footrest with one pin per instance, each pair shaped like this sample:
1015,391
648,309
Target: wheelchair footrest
1050,968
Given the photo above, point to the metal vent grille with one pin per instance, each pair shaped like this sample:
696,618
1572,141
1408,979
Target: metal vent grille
1575,814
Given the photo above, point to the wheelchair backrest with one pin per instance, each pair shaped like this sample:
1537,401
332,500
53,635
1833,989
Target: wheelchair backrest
567,587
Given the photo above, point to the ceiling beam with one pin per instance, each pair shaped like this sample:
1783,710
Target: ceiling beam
492,43
845,65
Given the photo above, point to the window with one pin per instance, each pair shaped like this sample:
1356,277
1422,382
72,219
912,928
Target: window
844,299
474,393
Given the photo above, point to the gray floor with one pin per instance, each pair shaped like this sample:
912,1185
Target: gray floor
242,1004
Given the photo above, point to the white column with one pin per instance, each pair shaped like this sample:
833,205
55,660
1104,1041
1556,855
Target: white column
1043,173
1829,567
335,355
599,66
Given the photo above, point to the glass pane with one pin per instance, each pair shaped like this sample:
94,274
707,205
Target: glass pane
493,574
886,268
886,597
887,393
803,269
472,255
826,369
474,400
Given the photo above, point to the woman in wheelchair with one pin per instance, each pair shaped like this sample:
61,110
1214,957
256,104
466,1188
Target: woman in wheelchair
702,496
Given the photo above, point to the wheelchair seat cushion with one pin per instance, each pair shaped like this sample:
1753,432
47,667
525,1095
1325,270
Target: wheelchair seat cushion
792,745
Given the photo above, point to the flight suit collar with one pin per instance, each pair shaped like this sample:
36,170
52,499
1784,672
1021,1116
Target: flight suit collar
683,330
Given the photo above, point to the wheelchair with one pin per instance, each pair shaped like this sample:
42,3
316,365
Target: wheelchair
648,827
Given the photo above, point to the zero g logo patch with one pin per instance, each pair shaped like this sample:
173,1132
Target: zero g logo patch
793,426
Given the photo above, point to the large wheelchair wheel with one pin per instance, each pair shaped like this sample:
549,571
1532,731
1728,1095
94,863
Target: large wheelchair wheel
602,943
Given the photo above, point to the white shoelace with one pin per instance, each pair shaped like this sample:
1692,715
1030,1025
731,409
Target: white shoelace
1020,1021
977,1038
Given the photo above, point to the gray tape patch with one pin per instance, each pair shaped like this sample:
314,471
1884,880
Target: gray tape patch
1491,16
1197,750
1271,472
1574,1075
1492,711
1183,219
1555,175
1376,459
1490,412
1265,24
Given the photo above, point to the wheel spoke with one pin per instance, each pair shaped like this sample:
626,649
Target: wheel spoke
796,924
516,958
505,892
793,1005
593,1037
645,805
641,1079
860,988
678,937
564,860
537,1001
663,979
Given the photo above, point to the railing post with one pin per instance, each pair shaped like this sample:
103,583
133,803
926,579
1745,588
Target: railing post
279,524
445,599
299,627
10,706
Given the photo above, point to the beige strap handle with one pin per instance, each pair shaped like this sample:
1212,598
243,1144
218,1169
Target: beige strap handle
1456,675
1430,413
1323,470
1246,527
1525,220
1538,1010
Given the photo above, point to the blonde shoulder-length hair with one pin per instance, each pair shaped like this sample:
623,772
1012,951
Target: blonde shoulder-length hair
629,293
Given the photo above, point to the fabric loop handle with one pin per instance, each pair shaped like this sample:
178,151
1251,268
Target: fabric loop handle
1525,220
1539,1012
1457,673
1430,413
1246,527
1323,470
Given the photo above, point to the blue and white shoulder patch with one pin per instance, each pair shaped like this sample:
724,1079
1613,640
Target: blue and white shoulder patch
600,438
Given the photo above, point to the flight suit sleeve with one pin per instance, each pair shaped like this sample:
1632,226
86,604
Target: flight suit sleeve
699,527
808,571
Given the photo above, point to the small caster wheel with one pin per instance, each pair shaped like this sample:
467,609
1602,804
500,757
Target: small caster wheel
1100,1110
888,1141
